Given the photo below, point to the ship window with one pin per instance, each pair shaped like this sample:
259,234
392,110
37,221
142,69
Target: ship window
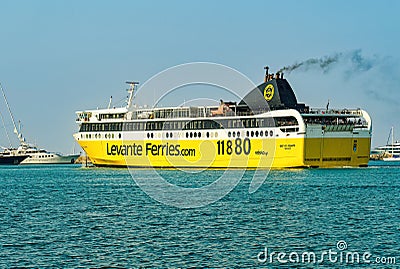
82,129
285,121
207,124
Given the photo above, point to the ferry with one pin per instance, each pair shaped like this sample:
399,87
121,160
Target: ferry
267,128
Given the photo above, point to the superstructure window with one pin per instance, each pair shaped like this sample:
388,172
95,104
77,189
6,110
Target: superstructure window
285,121
112,116
189,125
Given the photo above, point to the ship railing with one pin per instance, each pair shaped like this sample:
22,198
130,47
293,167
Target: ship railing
338,126
193,112
344,111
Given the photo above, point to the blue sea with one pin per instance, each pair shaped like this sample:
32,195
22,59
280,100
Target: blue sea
75,217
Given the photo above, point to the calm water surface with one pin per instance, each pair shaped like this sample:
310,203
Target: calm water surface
69,217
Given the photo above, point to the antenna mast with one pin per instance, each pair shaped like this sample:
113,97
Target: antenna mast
131,91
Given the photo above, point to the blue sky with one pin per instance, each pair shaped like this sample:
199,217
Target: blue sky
57,57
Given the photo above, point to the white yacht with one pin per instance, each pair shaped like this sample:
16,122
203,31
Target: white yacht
391,151
41,156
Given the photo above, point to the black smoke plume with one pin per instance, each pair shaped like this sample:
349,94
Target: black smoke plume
358,63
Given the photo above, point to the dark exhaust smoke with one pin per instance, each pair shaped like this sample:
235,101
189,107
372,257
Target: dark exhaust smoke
358,63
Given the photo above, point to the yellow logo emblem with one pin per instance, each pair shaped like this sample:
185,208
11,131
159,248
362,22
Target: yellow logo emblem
269,92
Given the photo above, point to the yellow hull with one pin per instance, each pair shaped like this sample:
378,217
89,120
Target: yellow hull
336,152
245,153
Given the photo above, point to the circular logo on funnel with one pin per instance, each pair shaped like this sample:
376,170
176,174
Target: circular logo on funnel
269,92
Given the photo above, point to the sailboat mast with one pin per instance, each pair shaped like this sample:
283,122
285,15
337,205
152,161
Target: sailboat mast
12,117
392,140
5,129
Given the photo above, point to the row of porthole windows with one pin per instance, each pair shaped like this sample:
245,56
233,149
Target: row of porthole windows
109,136
252,133
189,134
167,135
43,156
